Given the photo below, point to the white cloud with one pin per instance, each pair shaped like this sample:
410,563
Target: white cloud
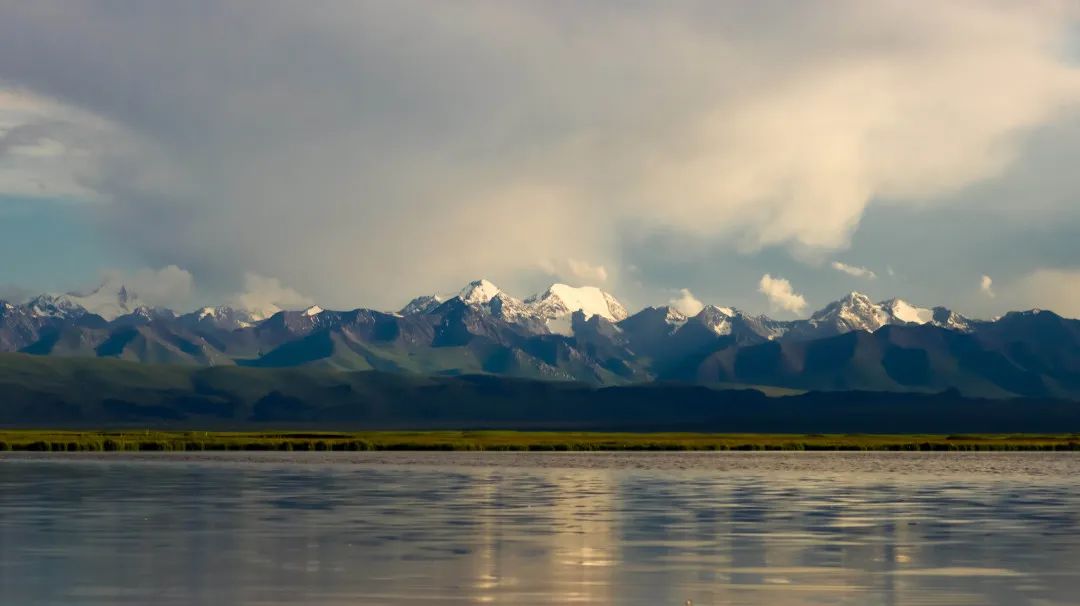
585,271
580,271
499,134
986,285
48,148
1055,289
854,270
267,296
780,294
686,303
170,286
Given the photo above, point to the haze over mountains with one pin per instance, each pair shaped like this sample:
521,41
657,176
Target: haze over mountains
580,334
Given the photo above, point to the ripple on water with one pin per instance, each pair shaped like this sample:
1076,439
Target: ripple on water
540,528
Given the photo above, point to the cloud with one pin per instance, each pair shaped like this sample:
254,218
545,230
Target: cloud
170,286
503,132
1055,289
780,294
585,271
580,271
267,296
23,136
47,148
686,303
854,270
986,285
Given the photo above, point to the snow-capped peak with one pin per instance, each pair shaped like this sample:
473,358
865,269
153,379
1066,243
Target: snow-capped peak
55,306
946,318
557,305
224,316
561,299
855,311
110,301
717,319
478,292
314,310
422,305
674,317
904,312
148,312
855,298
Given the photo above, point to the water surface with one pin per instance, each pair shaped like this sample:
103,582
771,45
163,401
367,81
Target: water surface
521,528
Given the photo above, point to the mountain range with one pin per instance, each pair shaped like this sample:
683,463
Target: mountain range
578,334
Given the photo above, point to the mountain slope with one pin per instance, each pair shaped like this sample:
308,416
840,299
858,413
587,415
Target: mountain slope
583,334
78,393
915,357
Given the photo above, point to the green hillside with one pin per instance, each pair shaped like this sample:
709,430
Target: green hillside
60,392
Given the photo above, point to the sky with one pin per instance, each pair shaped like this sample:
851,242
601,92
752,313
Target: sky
766,155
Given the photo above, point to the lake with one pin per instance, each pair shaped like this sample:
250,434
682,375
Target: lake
534,528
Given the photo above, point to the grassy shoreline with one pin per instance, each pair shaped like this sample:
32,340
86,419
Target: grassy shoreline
99,441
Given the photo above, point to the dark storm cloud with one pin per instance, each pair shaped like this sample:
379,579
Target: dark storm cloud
367,151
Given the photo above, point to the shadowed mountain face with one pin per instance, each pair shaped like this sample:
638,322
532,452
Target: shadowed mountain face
997,361
585,335
92,392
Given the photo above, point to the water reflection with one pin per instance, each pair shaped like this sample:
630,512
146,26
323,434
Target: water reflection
722,529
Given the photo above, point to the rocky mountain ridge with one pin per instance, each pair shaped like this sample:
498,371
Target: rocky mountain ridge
580,334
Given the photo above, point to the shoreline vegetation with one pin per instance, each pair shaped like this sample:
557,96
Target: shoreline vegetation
186,441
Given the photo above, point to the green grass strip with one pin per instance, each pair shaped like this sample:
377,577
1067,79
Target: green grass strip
104,441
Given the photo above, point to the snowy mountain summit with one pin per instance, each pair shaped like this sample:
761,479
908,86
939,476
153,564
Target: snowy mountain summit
548,312
222,316
556,306
857,311
566,332
110,301
478,292
422,305
901,312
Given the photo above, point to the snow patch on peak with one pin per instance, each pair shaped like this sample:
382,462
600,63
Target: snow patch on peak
207,312
478,292
422,305
903,311
146,311
675,317
717,319
615,308
560,300
110,301
947,318
55,306
855,311
263,313
314,310
224,316
856,298
723,311
563,325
